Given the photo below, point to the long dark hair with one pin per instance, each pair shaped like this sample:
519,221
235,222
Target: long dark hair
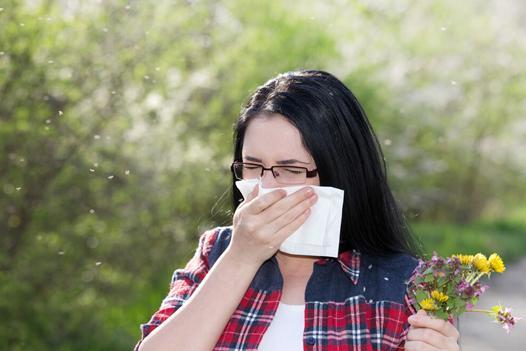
337,133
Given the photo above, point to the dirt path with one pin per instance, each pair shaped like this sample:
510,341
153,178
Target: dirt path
479,333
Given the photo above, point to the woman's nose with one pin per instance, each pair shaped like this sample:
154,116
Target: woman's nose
268,180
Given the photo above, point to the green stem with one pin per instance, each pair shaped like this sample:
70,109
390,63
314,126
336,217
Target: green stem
473,277
479,310
478,277
470,277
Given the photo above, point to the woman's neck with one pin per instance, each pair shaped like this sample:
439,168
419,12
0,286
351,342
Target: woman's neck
295,265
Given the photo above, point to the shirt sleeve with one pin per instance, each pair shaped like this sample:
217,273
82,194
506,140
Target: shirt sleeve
409,309
184,282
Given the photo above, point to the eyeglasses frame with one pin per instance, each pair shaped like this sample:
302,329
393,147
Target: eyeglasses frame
309,173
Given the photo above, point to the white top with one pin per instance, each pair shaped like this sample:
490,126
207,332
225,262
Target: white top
285,332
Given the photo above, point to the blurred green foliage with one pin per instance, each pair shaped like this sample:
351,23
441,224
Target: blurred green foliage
116,135
504,235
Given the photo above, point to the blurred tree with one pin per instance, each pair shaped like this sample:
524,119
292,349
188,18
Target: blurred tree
116,125
442,83
116,133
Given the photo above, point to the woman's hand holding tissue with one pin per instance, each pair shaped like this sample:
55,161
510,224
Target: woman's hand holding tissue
262,223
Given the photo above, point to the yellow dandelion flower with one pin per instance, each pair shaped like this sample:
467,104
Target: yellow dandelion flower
438,296
465,259
481,263
496,263
428,304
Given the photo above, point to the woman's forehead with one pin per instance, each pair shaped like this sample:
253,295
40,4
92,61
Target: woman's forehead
272,139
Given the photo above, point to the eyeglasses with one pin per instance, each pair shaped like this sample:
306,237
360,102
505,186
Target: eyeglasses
282,174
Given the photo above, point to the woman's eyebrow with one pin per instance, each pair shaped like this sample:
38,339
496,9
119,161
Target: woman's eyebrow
282,162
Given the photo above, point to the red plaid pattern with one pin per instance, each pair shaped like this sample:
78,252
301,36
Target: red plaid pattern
353,323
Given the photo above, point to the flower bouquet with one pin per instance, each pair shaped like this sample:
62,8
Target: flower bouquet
447,287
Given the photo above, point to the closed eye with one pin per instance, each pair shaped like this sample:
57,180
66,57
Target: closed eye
294,170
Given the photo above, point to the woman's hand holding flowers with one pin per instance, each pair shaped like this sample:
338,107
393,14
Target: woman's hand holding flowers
431,334
444,288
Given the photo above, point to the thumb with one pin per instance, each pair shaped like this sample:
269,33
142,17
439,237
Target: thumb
413,319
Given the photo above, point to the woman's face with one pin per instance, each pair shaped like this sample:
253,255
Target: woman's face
271,139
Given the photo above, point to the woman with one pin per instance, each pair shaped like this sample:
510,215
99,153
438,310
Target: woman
239,292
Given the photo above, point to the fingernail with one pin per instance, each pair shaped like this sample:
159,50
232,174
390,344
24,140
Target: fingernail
310,190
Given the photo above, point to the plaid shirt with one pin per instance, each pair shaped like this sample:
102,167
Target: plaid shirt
354,302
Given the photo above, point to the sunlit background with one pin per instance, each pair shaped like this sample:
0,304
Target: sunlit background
116,136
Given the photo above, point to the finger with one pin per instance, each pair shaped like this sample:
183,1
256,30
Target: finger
284,205
428,336
292,214
260,203
422,320
290,228
419,346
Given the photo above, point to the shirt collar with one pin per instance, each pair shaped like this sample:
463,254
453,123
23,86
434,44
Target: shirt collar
349,261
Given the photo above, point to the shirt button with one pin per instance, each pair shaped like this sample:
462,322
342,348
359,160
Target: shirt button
311,340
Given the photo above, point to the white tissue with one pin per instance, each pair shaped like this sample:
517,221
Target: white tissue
320,233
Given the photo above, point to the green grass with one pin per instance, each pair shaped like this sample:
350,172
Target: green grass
506,236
